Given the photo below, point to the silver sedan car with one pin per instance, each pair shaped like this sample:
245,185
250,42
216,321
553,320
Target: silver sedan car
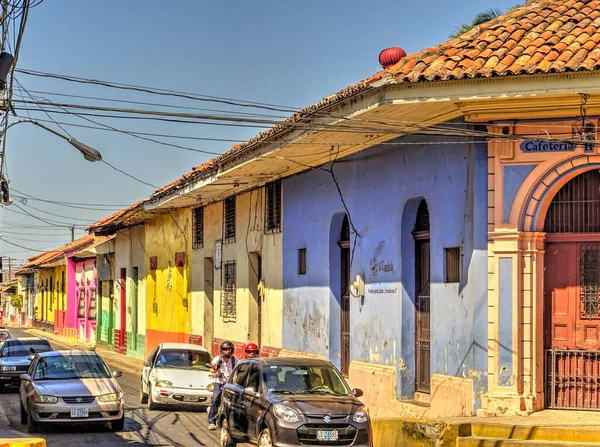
70,386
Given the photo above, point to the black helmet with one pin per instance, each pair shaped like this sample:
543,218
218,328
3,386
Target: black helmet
226,345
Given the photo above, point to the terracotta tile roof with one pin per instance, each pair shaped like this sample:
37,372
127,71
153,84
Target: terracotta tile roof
543,36
197,172
114,217
48,256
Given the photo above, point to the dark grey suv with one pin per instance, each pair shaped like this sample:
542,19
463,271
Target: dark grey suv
291,402
16,355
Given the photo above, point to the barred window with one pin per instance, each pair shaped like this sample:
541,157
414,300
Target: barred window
228,304
302,261
229,220
82,299
273,207
452,264
92,308
198,218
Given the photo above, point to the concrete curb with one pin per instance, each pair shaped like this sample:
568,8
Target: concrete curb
22,442
401,432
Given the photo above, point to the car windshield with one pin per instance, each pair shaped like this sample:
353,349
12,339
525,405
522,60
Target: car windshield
22,348
297,379
183,358
68,367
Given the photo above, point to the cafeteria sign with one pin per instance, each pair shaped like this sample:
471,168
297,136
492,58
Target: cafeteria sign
546,146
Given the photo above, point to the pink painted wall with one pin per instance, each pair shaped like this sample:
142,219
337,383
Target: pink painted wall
71,318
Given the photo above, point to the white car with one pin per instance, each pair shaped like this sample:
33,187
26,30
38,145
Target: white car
177,374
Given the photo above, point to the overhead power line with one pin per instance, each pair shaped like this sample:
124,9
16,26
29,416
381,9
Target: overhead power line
160,91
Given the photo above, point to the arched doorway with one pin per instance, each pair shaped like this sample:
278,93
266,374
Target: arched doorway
422,299
344,244
572,295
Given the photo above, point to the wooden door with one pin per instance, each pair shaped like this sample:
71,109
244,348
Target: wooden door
572,285
134,307
345,297
423,318
123,308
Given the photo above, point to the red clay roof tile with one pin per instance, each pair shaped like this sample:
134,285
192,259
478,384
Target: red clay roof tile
535,38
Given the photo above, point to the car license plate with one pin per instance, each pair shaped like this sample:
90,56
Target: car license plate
79,412
327,435
190,398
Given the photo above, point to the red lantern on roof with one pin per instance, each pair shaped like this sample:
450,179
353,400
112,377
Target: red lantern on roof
391,56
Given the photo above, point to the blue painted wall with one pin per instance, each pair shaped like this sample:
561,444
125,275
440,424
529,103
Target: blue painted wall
382,187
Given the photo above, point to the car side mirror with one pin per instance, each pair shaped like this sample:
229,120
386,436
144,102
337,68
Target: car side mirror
249,391
357,392
117,374
147,363
25,377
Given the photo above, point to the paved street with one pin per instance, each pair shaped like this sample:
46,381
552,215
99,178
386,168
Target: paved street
143,427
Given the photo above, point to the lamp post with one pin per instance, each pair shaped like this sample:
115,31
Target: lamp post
89,153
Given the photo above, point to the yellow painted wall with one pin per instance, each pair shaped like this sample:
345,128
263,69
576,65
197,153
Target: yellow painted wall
250,238
60,288
46,298
167,289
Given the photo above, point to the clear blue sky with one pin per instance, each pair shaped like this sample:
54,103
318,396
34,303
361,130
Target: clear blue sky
288,53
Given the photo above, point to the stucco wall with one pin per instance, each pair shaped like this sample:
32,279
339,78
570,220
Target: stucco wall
168,309
382,188
130,253
250,238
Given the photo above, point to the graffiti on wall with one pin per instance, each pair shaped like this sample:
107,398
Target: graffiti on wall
378,265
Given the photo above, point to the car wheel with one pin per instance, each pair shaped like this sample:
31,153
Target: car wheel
32,426
265,440
23,414
119,424
151,404
226,439
143,396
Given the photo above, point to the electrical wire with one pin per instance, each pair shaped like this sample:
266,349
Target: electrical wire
68,203
159,91
129,175
154,104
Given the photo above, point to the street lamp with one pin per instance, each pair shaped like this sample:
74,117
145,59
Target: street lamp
89,153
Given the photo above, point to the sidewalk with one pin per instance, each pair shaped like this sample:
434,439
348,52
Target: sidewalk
117,361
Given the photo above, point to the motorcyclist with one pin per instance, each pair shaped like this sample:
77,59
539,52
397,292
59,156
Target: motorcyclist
251,351
221,368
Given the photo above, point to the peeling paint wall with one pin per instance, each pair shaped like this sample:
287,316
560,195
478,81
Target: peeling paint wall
382,188
250,240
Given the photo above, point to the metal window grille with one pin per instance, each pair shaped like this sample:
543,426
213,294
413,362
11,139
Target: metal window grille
589,287
452,264
92,308
576,206
273,208
573,379
229,220
81,309
228,303
198,218
302,261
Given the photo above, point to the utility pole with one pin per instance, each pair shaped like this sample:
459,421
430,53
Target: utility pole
72,233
